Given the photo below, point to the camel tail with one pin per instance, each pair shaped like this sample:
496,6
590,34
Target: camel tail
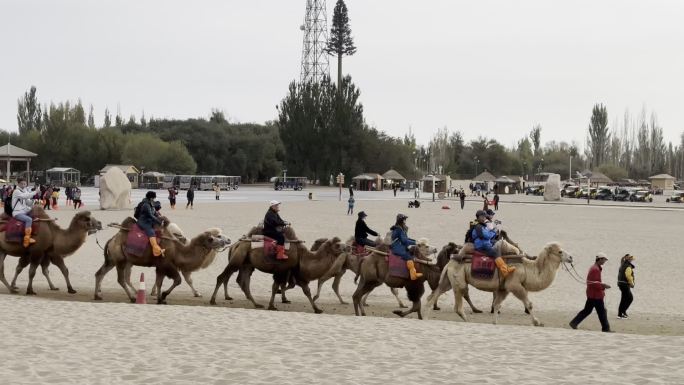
107,258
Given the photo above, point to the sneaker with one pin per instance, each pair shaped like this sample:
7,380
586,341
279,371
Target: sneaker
572,325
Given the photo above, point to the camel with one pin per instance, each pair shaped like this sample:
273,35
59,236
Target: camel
178,256
52,245
529,276
303,264
374,272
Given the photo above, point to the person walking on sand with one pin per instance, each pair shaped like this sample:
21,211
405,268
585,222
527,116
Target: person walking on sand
350,208
76,197
625,284
173,191
217,191
191,198
462,197
496,201
596,291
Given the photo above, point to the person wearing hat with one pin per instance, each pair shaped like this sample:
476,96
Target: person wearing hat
147,218
596,291
400,244
484,238
273,228
361,231
625,284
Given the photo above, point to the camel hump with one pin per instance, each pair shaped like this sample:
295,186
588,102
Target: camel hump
38,212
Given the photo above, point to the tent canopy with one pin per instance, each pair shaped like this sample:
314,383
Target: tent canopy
662,176
485,177
368,176
393,175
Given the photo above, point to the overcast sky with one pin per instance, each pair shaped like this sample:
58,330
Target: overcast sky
492,68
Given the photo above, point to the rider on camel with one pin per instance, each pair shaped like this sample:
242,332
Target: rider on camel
400,244
147,219
484,239
273,228
361,231
22,203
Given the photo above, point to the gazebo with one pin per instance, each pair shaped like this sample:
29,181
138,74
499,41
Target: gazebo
505,185
392,176
152,180
442,183
485,176
60,176
11,153
365,182
596,177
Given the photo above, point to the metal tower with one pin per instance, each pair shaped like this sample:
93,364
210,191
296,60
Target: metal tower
315,64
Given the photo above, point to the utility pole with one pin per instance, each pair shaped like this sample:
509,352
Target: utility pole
315,65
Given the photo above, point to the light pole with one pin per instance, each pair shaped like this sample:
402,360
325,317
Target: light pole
477,161
433,186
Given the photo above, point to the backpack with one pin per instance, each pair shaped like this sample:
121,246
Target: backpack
8,205
138,210
469,233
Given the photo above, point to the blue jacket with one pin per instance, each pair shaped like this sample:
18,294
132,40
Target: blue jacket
483,237
401,242
147,217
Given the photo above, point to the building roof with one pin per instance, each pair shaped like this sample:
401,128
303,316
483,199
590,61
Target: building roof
126,168
14,151
62,169
597,177
662,176
154,173
485,177
393,175
438,178
368,176
504,179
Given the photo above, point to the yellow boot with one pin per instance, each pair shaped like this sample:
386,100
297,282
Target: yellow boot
156,250
412,271
504,269
27,237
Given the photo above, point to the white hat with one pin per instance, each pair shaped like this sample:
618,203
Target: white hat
274,203
601,256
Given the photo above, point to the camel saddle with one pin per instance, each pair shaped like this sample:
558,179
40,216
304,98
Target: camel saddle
360,250
482,266
14,229
397,266
269,245
137,242
509,259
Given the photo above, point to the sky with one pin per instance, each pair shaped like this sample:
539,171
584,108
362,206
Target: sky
484,68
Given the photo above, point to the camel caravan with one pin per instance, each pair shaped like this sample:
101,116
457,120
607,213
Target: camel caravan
487,260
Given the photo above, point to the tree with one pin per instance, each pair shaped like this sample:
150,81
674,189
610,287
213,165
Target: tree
107,119
29,115
91,118
217,116
535,137
598,138
340,42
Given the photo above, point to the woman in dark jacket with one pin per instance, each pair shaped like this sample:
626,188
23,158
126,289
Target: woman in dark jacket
273,228
626,283
401,243
147,219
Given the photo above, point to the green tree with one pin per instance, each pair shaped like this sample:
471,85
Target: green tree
29,115
340,42
91,118
107,119
598,138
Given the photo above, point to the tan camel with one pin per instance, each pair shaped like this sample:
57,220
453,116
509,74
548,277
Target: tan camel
374,272
530,275
304,266
52,245
177,256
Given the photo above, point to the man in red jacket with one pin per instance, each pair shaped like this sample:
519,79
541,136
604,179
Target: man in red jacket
596,291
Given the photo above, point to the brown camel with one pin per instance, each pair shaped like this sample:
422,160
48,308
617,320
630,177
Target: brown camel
375,271
52,245
303,265
177,255
530,275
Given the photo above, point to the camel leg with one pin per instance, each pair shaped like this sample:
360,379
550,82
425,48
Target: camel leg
307,292
99,275
521,294
362,290
395,292
2,274
499,297
172,273
121,279
187,275
23,262
244,285
458,304
466,296
32,274
59,262
274,291
364,299
222,279
283,289
336,287
127,273
444,285
44,264
415,307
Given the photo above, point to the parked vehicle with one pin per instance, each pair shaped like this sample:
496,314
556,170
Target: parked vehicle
641,196
584,192
290,182
570,191
604,193
534,190
623,194
677,197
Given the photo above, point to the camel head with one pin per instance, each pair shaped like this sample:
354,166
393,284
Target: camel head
335,246
85,221
318,243
422,249
554,249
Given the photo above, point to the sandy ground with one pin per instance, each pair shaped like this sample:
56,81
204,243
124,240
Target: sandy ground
225,344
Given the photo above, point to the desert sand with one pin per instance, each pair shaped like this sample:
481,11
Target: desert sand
74,340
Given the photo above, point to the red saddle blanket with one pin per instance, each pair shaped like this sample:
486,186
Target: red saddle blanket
14,230
482,266
137,241
360,250
397,266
